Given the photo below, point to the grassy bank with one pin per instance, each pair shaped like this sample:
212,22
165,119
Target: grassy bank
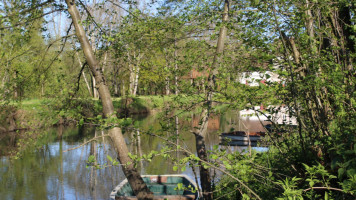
38,113
25,120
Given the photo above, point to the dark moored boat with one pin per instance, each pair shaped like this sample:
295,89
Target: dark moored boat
241,138
162,186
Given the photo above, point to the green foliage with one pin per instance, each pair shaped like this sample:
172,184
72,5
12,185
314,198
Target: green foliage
310,46
318,174
291,191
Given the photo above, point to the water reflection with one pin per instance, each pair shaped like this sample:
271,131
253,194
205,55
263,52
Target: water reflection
50,173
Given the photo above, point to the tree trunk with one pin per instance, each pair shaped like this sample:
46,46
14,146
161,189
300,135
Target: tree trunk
176,121
201,131
132,77
93,47
15,86
3,81
105,62
176,91
123,91
116,84
309,21
167,86
135,85
136,73
85,78
42,89
116,89
137,184
95,91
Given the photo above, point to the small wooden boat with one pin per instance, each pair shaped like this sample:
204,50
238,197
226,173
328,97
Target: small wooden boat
162,186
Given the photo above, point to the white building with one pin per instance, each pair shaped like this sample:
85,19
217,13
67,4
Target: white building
277,115
256,78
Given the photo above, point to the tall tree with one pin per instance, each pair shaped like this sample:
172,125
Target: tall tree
201,130
137,184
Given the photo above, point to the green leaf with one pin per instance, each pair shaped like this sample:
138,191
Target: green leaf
270,174
180,186
175,168
230,157
311,183
214,156
245,197
109,158
81,121
91,159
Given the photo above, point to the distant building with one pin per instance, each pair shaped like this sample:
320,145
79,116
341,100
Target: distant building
277,115
256,78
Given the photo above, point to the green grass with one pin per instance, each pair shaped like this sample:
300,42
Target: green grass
29,104
144,102
138,102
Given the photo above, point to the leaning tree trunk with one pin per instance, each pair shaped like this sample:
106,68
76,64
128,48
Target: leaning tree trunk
201,131
137,184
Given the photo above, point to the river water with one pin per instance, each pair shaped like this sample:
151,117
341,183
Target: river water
48,172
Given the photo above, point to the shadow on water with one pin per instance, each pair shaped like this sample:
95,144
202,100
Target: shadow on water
49,173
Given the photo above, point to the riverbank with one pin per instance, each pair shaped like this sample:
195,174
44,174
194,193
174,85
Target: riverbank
22,123
39,113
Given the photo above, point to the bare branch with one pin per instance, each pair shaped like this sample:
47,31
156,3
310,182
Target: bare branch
80,74
77,147
90,16
115,4
29,9
29,20
324,188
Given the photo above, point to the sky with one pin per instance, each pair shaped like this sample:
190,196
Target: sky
58,22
